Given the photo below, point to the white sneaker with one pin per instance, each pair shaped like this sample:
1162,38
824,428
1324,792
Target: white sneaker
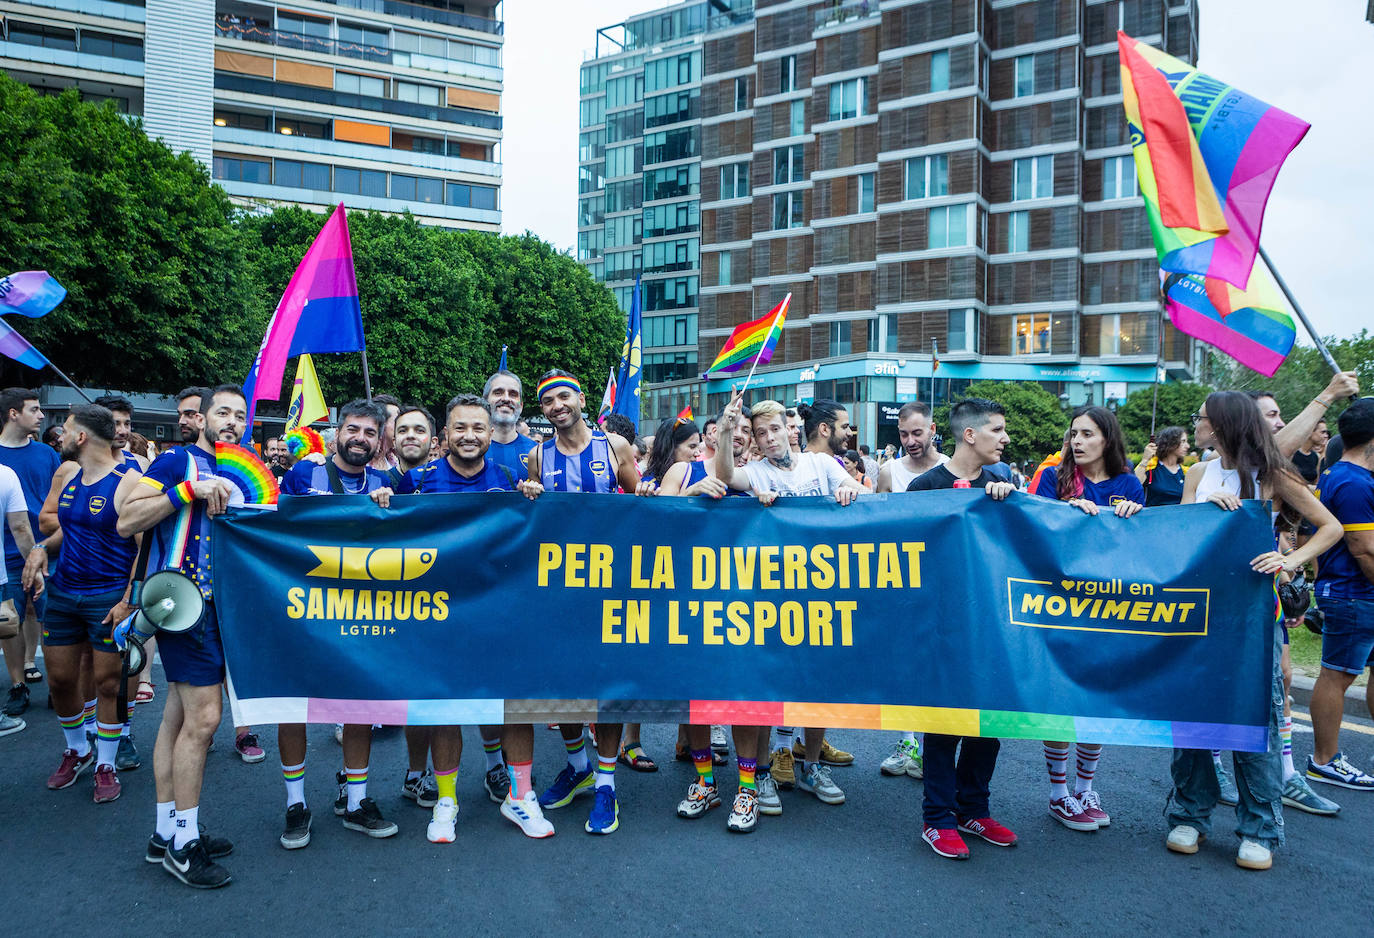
819,783
1184,839
718,741
443,825
896,763
338,733
769,802
1254,856
527,815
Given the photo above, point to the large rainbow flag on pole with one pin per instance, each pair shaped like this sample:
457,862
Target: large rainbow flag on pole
1255,325
752,342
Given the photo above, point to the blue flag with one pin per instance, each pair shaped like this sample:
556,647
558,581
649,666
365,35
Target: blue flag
502,366
627,376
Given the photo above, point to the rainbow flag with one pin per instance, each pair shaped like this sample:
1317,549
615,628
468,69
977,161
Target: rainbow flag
1206,157
1254,326
752,340
684,416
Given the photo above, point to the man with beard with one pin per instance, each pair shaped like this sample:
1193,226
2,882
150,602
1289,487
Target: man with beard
582,459
277,455
916,430
509,447
347,472
123,410
181,486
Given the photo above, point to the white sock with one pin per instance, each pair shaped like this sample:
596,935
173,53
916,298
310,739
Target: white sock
357,791
493,755
784,738
106,743
188,827
166,819
76,736
295,787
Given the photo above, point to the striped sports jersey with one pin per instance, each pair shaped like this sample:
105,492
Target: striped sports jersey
592,470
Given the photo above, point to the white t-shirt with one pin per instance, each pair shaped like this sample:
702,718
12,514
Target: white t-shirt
11,500
901,476
814,474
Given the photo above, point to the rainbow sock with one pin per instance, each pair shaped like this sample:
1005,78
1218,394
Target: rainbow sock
521,775
357,786
88,716
106,743
125,730
294,775
605,772
747,768
73,729
702,759
447,783
1286,737
577,754
491,748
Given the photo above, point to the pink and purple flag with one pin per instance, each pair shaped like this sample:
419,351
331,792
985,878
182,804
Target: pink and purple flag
319,312
31,293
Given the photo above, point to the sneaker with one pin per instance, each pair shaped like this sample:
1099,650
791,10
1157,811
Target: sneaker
526,814
9,724
1298,794
443,825
70,769
106,784
1184,839
296,833
829,754
718,741
605,816
947,843
193,866
1091,802
497,783
338,733
784,769
18,700
1069,812
1338,772
568,785
990,830
126,757
1254,856
744,813
769,802
819,783
215,847
422,790
1230,795
341,802
246,744
896,763
368,820
916,767
700,799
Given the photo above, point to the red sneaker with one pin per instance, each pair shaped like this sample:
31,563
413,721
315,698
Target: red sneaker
989,830
947,843
106,784
70,768
1092,807
1069,812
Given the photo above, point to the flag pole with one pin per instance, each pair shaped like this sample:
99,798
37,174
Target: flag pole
75,387
1307,323
367,378
782,309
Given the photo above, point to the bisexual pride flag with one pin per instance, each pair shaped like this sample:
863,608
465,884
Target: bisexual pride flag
31,293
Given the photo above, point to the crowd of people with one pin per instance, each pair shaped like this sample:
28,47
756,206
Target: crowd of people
84,511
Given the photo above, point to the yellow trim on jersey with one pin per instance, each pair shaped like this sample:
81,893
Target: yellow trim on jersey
1363,526
153,482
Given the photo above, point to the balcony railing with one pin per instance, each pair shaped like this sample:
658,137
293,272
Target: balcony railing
250,31
418,11
279,89
837,13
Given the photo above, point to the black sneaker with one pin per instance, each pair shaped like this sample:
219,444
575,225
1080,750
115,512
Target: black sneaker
193,866
497,784
215,847
296,834
127,758
422,790
18,700
368,819
341,802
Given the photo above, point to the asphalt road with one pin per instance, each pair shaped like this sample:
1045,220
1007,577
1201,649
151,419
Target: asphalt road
859,867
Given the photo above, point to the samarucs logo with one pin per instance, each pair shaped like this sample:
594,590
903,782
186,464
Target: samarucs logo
1108,606
358,609
372,563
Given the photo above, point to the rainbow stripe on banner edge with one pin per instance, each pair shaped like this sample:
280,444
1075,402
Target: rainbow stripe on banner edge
241,466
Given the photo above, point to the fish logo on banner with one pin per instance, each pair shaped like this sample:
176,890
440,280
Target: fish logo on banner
372,613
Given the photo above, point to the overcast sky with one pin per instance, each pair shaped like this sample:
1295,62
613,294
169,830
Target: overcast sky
1317,64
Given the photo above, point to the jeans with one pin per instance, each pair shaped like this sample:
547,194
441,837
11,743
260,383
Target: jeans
957,790
1259,779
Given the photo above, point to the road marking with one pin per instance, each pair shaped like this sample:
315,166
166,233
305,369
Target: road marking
1364,728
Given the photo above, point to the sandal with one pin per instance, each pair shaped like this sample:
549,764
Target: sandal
635,757
144,696
684,754
32,675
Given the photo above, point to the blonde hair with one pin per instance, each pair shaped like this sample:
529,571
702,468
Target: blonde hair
765,410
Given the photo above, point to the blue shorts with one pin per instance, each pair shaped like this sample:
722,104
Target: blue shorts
14,589
1347,634
195,656
73,618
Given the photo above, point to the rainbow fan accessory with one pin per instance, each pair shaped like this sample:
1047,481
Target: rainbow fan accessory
241,466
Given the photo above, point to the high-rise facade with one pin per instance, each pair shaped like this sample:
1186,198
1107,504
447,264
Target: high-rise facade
381,104
930,179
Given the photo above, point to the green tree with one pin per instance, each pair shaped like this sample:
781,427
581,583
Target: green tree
1177,403
1035,419
1303,375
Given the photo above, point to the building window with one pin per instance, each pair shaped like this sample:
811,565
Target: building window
1032,334
1024,75
960,329
418,94
840,343
787,165
416,188
882,333
734,180
49,37
466,196
243,121
117,47
293,127
360,84
787,74
848,99
236,169
787,210
724,279
865,193
1018,232
939,70
741,94
1033,178
949,227
796,124
927,177
1118,178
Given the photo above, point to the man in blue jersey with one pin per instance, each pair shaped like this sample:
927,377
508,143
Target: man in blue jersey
582,459
88,595
123,410
173,506
346,472
35,464
509,446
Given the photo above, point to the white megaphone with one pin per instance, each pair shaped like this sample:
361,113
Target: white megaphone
169,601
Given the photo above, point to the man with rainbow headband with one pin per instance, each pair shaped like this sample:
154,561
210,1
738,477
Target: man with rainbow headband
580,458
178,496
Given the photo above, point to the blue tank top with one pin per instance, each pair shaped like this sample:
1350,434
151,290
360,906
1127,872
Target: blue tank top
95,559
591,470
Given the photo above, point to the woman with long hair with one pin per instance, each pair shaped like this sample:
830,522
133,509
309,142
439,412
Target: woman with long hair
1161,467
676,440
1091,476
1249,465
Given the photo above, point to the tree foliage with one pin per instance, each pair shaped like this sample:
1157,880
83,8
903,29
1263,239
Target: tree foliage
1177,404
1303,375
1035,419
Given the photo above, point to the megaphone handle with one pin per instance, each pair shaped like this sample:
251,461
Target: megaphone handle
145,546
122,701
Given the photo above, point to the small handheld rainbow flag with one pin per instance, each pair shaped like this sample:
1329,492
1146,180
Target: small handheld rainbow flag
752,343
242,467
684,416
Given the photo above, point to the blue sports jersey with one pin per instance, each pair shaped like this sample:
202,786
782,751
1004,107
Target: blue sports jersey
181,541
591,470
514,455
308,478
696,471
1121,488
1347,490
95,559
35,465
130,460
440,476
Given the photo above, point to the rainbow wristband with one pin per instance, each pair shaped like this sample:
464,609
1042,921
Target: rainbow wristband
182,495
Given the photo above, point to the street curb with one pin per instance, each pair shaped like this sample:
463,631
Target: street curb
1355,706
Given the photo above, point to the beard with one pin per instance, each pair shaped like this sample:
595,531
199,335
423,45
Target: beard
357,457
500,418
69,451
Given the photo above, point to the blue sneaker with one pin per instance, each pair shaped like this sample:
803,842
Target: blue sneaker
605,816
127,758
1339,772
569,784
